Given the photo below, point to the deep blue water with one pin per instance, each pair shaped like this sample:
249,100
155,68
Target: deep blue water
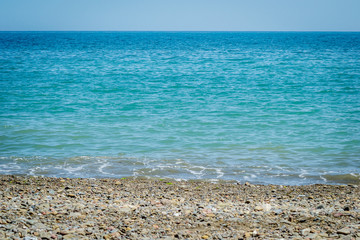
264,107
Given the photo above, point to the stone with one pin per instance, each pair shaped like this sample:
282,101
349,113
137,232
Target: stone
314,236
247,234
305,232
125,210
30,238
38,226
255,233
259,208
75,214
267,207
346,208
45,235
108,236
115,235
70,237
344,231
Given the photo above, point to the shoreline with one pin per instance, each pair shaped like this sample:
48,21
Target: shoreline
352,179
139,208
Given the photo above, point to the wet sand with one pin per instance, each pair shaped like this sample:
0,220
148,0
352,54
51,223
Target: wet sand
57,208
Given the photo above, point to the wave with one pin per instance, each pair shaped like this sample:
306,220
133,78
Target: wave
351,178
125,166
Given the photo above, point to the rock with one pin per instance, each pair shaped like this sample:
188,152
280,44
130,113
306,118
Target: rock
344,231
30,238
247,234
22,232
45,235
39,226
75,215
49,198
31,221
346,208
108,236
267,207
235,219
70,237
125,210
337,214
224,204
277,211
305,232
255,233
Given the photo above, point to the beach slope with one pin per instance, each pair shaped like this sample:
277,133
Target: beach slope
57,208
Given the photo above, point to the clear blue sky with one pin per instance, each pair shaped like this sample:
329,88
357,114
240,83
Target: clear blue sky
180,15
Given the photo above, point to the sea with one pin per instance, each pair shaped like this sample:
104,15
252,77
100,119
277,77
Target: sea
260,107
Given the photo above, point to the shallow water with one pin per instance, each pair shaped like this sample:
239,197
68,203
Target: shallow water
263,107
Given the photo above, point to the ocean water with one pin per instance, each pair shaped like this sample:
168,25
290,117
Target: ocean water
263,107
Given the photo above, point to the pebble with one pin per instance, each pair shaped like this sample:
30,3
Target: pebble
267,207
305,232
247,235
344,231
55,208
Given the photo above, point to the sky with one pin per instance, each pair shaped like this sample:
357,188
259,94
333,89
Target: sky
179,15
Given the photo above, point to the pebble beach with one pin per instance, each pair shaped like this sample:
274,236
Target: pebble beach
34,208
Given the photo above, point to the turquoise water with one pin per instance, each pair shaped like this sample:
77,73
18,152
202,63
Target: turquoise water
263,107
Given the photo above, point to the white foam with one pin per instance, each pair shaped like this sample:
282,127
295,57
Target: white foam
101,169
303,173
34,170
74,169
324,179
219,172
10,166
198,174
